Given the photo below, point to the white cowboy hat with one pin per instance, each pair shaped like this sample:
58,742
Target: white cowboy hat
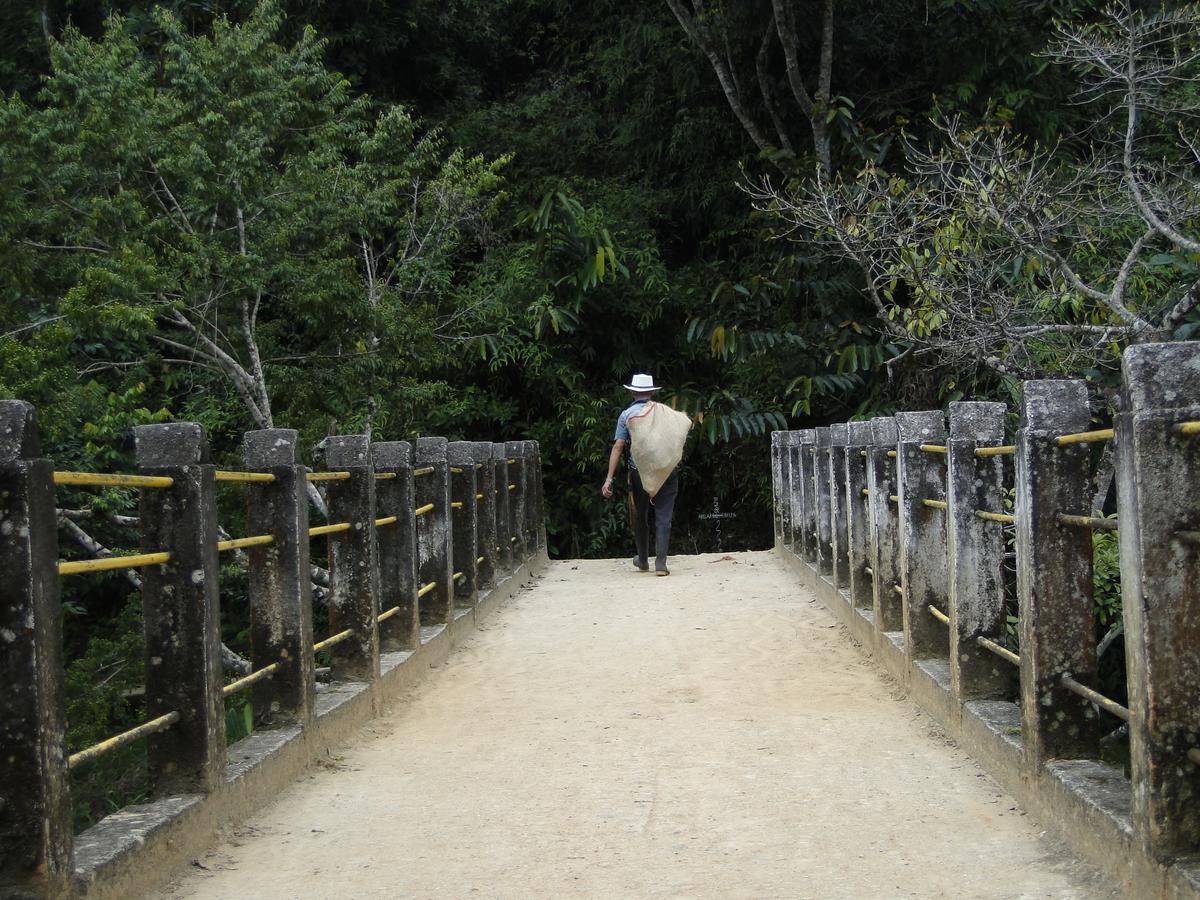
642,384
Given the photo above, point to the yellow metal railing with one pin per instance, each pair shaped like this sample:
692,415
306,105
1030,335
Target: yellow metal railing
107,563
253,678
252,477
333,640
97,479
328,529
327,476
257,540
1085,437
426,588
117,741
422,510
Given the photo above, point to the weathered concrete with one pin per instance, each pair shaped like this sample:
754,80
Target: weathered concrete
35,806
1158,498
778,488
1054,573
824,508
485,490
504,536
464,521
353,559
923,579
806,524
280,579
517,476
787,489
180,610
839,533
535,516
858,515
433,532
397,546
884,522
976,554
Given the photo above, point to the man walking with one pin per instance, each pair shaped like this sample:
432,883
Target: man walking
663,503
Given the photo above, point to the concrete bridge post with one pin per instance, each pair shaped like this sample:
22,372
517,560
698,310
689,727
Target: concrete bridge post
504,502
976,553
795,501
885,526
824,508
180,610
35,808
464,519
921,476
839,506
353,559
516,503
280,579
397,545
434,532
485,498
787,490
537,502
1159,515
858,526
1054,573
777,488
806,518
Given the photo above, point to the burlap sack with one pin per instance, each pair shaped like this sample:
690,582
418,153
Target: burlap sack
657,434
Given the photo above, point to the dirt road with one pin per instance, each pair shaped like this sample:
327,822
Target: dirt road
612,734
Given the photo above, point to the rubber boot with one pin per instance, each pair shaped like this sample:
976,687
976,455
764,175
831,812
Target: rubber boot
661,538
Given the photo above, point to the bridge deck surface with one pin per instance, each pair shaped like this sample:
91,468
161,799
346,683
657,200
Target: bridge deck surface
612,734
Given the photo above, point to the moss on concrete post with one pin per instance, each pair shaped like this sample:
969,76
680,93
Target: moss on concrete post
806,524
536,506
976,553
434,535
795,504
921,476
397,545
824,509
784,501
485,499
884,522
505,562
517,478
777,491
353,559
280,579
838,506
1054,573
464,519
1159,514
35,804
858,514
180,610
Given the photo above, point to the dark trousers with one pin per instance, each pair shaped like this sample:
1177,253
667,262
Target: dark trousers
660,508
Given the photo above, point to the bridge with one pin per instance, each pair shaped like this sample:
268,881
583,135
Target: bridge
458,715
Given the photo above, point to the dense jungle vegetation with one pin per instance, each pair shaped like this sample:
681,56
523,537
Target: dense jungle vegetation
477,218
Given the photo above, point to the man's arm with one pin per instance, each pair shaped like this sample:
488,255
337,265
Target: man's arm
614,458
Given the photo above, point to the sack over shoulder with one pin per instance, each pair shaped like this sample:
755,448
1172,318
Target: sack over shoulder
658,434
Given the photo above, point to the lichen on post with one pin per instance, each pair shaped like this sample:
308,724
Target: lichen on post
1158,468
280,579
35,806
181,611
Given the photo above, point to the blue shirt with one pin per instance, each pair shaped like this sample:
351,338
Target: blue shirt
623,425
623,421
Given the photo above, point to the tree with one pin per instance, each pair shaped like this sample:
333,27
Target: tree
1033,259
215,200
